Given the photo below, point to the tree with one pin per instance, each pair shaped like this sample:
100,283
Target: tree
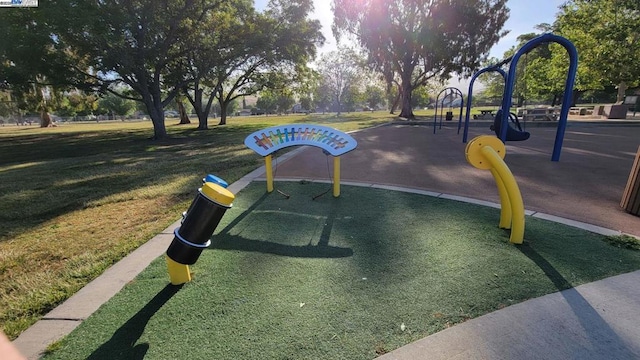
136,43
606,35
77,103
322,95
224,34
182,112
422,39
420,97
340,70
352,98
30,66
114,104
8,107
267,102
374,96
255,50
306,103
493,82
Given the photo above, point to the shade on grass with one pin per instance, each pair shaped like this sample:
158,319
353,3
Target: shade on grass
346,278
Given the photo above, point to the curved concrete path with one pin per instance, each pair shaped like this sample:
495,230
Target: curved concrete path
592,321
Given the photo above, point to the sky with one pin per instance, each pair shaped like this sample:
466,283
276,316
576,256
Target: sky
524,16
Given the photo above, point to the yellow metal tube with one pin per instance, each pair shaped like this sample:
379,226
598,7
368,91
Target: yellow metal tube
336,176
505,204
178,273
269,172
513,192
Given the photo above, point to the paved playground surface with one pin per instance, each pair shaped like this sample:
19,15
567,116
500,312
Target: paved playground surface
593,321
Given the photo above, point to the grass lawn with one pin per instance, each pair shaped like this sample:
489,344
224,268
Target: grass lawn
76,198
346,278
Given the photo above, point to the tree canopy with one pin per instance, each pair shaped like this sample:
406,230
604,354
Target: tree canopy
158,49
414,41
606,34
340,70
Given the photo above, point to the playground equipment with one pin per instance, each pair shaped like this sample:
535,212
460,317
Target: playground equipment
503,129
487,152
198,224
512,133
497,68
568,88
333,142
453,94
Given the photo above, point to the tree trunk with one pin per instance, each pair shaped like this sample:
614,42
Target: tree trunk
407,111
575,96
157,119
45,119
184,118
395,103
622,89
223,113
154,106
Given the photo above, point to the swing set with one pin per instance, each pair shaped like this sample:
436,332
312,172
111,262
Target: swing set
504,116
450,94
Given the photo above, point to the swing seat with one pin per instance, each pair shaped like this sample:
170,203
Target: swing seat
512,134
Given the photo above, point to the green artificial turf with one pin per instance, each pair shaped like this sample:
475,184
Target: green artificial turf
346,278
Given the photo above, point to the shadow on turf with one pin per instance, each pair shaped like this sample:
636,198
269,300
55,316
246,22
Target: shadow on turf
322,250
596,329
225,241
122,344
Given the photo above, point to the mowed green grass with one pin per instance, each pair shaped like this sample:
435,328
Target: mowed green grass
76,198
346,278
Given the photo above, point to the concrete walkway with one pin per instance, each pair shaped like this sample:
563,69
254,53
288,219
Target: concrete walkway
593,321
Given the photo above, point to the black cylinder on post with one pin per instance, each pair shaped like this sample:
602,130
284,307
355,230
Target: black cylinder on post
199,223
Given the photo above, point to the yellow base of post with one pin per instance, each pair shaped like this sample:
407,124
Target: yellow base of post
336,176
178,273
269,172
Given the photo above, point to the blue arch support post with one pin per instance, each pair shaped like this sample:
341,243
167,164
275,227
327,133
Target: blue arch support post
568,87
496,68
455,91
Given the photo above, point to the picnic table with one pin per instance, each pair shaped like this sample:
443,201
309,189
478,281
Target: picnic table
485,114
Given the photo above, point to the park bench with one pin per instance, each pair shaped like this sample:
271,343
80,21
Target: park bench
333,142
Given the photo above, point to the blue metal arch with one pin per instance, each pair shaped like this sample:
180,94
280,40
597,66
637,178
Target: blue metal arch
568,87
496,68
435,116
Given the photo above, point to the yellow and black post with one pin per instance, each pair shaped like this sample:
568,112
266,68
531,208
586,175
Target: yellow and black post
198,224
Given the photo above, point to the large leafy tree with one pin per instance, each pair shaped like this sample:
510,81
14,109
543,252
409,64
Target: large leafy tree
340,71
107,44
606,34
422,39
252,51
116,105
31,67
374,96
